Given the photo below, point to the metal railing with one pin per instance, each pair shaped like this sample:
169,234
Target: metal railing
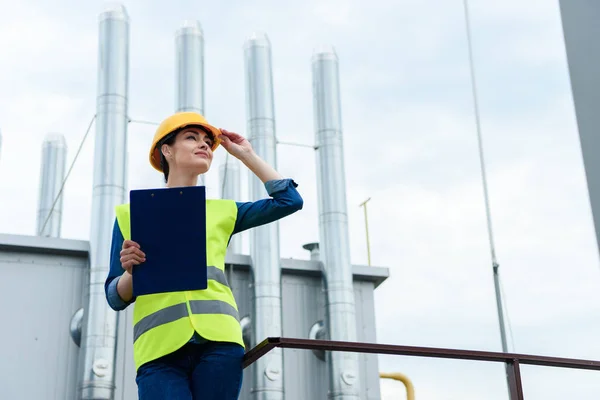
511,360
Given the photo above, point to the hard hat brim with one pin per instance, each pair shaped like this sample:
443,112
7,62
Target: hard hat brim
155,153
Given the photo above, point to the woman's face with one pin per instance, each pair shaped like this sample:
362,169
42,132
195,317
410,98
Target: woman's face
191,151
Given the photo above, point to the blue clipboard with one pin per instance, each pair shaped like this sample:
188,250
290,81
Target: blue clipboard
169,224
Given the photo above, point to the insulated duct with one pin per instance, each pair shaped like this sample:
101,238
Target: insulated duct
52,174
189,47
98,345
229,176
333,223
264,240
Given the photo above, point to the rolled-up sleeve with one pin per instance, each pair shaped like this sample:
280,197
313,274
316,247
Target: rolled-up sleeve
285,200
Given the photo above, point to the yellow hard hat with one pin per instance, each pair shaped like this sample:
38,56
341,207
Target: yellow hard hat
174,122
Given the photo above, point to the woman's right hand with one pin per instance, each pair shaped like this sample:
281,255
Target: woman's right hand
131,255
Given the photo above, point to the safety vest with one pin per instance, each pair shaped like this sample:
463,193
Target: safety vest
164,322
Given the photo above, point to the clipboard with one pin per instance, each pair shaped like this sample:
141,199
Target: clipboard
169,224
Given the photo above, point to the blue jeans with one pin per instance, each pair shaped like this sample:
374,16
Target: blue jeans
206,371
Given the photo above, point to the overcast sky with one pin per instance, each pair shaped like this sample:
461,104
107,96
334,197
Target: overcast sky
410,145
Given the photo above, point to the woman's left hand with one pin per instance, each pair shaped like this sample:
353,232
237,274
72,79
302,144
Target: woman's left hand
237,145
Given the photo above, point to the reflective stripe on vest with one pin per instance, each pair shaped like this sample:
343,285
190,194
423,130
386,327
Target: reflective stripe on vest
173,313
164,322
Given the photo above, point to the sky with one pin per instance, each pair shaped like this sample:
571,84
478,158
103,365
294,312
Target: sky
410,144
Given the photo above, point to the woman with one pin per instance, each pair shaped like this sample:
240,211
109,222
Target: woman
188,345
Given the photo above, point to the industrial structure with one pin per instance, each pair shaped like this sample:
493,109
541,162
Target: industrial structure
85,350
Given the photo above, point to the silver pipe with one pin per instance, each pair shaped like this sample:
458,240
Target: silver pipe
264,240
75,326
189,47
333,223
99,339
229,175
313,248
52,175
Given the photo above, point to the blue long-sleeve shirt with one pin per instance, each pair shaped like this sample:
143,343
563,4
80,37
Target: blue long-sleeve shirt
285,200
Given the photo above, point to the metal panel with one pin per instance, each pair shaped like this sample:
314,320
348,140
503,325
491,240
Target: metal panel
582,30
365,327
52,174
99,334
44,245
303,305
39,358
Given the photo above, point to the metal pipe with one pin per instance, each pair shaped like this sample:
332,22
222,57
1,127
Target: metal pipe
314,251
344,381
52,175
189,47
75,326
364,205
99,339
264,240
229,175
397,376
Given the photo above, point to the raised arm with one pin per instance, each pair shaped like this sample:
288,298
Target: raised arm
240,148
285,199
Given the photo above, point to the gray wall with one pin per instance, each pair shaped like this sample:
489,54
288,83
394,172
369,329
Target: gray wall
581,26
41,281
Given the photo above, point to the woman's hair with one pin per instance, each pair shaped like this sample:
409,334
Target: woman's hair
169,140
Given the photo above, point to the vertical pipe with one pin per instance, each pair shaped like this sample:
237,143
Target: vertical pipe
98,349
333,222
264,240
364,205
229,175
52,175
189,47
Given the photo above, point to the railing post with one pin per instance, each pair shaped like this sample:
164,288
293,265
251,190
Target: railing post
513,372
